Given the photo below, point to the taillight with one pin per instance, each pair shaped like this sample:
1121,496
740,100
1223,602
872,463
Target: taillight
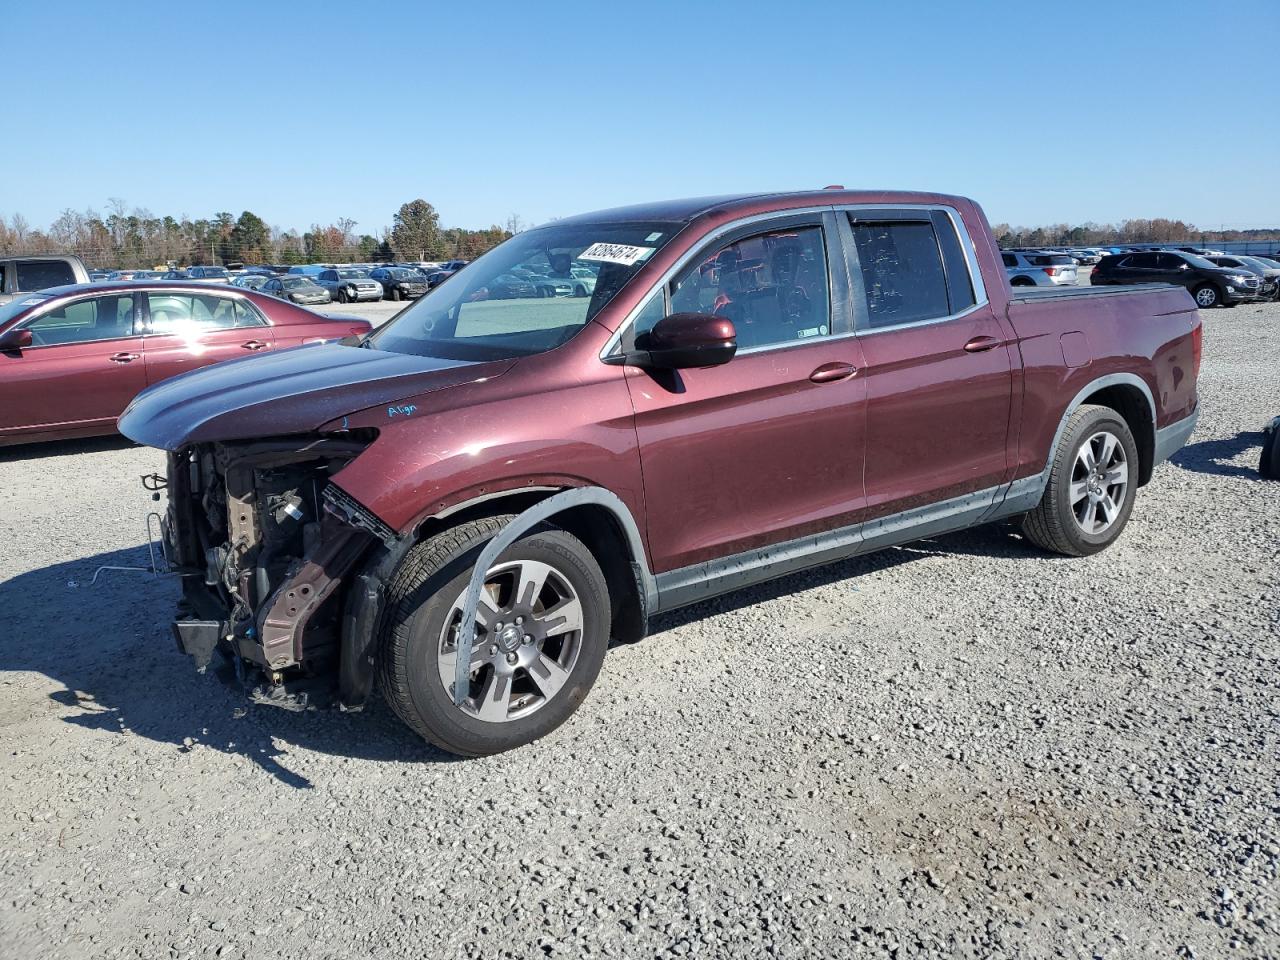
1052,271
1197,348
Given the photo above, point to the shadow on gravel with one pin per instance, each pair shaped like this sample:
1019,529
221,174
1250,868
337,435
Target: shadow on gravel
993,540
109,646
1207,456
64,448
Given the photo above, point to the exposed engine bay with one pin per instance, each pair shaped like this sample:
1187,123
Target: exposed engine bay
263,541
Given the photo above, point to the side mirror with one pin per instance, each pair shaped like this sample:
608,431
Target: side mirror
686,340
15,340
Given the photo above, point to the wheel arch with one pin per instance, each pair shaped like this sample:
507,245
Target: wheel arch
596,516
1129,396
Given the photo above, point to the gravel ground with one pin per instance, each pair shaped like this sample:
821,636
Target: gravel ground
983,752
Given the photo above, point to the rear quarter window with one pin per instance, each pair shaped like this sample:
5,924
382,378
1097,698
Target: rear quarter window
40,274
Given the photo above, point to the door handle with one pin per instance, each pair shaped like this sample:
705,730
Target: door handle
254,345
978,344
832,372
124,357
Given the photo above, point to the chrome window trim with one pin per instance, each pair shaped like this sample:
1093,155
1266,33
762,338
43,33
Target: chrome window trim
966,247
612,345
872,331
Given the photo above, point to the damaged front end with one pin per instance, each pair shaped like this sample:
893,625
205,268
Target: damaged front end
266,544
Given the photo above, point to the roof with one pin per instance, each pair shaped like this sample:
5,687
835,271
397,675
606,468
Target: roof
107,286
690,208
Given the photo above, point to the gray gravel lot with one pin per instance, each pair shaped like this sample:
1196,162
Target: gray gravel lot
981,752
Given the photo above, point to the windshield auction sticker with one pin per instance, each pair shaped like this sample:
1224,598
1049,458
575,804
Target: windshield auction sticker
615,253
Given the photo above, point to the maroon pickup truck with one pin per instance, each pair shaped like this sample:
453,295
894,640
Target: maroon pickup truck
470,503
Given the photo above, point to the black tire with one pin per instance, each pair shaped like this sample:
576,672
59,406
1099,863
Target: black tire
395,294
1269,461
342,295
1207,295
579,291
1022,282
421,595
1053,524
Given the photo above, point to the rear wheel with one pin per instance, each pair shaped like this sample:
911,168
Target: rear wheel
1092,481
542,628
1022,282
1207,296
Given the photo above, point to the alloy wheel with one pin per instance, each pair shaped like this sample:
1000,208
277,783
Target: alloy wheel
1206,297
1099,482
528,638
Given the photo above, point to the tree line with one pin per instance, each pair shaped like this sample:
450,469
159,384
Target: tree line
135,238
1123,233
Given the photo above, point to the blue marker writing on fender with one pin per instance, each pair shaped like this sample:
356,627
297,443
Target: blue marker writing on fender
405,410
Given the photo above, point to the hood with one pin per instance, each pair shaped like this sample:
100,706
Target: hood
289,392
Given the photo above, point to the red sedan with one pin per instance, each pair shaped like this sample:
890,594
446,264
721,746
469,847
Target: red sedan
71,358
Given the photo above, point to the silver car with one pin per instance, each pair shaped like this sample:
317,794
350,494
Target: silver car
1031,268
349,285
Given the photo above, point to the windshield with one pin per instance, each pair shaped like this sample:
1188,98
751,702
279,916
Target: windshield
292,282
490,312
353,275
14,307
1256,263
1198,261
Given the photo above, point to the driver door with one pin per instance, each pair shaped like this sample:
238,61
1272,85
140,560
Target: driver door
769,446
84,366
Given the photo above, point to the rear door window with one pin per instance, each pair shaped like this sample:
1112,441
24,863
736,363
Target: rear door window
1010,259
903,278
183,313
40,274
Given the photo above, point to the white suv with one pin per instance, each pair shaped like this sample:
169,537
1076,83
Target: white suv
1031,268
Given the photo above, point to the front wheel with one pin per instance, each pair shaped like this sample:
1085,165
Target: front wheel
1092,481
395,294
1207,296
542,628
342,296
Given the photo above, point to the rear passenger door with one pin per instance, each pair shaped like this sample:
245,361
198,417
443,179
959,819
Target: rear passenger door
769,446
1140,268
186,329
939,365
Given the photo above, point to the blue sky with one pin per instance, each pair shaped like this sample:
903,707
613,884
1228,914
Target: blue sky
304,113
